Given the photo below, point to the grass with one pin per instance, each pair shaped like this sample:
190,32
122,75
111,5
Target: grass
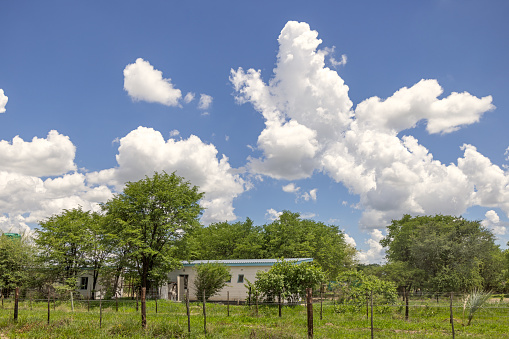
428,319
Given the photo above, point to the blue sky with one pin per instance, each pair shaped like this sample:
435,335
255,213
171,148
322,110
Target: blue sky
351,113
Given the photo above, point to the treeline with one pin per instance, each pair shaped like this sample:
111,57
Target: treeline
147,230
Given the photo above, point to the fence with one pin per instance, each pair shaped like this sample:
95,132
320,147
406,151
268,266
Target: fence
325,311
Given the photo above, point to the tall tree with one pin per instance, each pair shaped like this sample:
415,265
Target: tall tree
224,240
289,236
64,243
149,218
449,253
16,261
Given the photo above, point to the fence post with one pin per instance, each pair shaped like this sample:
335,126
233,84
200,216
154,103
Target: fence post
452,318
321,297
100,310
143,308
204,314
228,303
372,330
2,298
116,302
188,312
367,305
136,301
406,292
309,300
16,301
48,304
249,298
279,304
88,302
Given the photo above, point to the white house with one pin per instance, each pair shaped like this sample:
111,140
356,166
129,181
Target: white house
85,282
240,270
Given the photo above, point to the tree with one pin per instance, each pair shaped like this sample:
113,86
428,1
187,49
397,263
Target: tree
288,280
16,261
149,218
289,236
224,240
448,253
64,244
355,287
211,277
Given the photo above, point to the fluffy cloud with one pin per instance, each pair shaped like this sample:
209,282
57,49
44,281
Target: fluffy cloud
205,101
144,151
493,222
3,101
272,214
53,155
291,188
145,83
375,254
189,97
310,125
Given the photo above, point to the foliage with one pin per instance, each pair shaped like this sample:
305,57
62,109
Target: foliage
64,243
444,253
475,301
288,280
211,277
355,288
289,236
16,261
149,218
224,240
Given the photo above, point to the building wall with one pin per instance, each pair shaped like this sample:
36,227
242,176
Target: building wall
100,290
237,290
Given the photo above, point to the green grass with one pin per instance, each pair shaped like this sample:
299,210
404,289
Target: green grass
428,319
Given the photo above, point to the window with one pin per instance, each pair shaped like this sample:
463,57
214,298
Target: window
84,283
241,278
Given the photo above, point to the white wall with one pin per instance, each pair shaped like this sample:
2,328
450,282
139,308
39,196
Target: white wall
236,289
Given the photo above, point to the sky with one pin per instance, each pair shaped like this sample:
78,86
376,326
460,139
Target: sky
352,113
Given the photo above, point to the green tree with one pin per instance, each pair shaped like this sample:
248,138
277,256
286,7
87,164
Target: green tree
64,242
288,280
444,252
211,277
289,236
16,261
224,240
355,287
149,218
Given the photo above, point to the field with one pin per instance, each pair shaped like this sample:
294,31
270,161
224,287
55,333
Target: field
428,319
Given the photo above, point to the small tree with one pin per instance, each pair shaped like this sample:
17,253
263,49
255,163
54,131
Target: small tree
211,277
16,261
288,280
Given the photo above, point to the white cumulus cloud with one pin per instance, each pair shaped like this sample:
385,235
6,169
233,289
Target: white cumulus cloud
144,151
375,253
205,101
311,125
493,222
3,100
145,83
53,155
272,214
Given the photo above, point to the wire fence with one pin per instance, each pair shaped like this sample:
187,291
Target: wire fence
330,305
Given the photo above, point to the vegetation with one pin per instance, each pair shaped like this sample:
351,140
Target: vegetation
16,261
210,277
288,280
442,253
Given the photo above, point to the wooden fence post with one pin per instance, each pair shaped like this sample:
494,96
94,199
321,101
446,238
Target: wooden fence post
188,312
48,304
204,314
228,303
279,304
406,292
88,302
309,301
100,310
321,297
372,330
452,318
143,307
16,301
